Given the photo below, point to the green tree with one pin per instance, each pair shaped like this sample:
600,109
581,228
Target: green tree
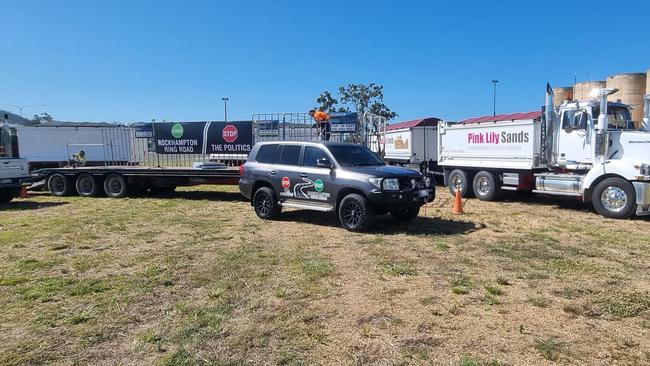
360,98
326,102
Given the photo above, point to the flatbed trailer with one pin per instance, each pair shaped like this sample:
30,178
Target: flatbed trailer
186,154
120,181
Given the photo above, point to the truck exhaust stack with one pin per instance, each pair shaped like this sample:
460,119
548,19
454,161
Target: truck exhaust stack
645,126
601,126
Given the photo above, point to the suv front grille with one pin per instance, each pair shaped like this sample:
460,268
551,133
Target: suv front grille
411,184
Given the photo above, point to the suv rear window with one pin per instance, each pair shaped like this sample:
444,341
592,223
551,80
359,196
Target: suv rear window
290,155
267,154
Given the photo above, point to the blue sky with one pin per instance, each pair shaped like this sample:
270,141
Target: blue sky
136,60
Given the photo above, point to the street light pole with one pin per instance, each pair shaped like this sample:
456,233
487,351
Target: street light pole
225,108
494,101
21,107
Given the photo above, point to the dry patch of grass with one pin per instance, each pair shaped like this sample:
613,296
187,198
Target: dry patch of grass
195,278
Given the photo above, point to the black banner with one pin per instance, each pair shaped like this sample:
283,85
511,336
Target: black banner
229,137
203,137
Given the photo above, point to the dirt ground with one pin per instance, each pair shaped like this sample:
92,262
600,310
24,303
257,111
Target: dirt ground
195,278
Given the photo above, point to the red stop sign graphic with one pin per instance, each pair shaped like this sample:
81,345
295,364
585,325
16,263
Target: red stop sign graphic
230,133
286,183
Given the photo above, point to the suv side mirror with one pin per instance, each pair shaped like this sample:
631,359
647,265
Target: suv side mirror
324,163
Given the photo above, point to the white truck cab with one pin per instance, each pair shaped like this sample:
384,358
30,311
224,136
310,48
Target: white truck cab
587,149
13,170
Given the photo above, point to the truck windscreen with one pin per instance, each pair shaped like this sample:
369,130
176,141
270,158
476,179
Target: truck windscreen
618,118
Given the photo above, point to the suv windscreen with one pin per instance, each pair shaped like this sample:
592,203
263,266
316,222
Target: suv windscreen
311,156
266,154
350,155
290,155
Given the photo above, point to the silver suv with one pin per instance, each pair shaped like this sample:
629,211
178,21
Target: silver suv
333,177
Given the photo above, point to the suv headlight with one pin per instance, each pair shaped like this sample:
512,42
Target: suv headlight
387,184
375,182
390,184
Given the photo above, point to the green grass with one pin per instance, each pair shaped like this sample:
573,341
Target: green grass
398,269
198,279
550,348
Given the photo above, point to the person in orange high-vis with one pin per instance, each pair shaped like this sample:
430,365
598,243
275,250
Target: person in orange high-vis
323,122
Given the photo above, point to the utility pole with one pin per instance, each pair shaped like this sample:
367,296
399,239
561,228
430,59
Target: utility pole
225,108
494,102
21,107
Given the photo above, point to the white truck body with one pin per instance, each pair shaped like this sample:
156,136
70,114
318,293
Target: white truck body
411,143
511,144
573,150
54,145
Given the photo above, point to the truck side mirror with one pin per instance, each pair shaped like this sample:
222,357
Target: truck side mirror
324,163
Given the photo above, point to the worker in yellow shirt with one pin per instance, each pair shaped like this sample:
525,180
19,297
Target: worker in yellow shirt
322,123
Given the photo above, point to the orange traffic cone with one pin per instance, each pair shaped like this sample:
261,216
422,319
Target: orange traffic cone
23,192
458,203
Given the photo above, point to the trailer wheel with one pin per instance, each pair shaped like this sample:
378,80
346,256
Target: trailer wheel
459,178
87,185
115,186
487,186
614,198
59,185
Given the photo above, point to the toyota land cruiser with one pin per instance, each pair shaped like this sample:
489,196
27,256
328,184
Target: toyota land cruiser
332,177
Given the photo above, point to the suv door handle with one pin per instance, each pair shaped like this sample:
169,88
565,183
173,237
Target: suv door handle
273,172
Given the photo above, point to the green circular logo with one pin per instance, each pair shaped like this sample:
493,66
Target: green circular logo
177,130
318,185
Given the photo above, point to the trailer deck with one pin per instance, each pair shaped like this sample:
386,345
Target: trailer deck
120,181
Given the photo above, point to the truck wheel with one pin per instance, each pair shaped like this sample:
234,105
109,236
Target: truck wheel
355,213
87,185
115,186
614,198
266,204
460,178
487,186
59,185
405,214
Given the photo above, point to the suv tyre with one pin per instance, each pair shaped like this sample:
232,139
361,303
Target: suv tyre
355,213
265,204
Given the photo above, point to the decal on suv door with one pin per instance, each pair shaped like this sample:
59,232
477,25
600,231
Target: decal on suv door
302,190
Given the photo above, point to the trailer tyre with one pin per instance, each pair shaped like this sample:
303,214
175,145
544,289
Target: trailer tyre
59,185
115,186
265,204
87,185
487,186
460,178
614,198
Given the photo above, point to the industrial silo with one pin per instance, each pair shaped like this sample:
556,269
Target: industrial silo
631,89
582,90
562,93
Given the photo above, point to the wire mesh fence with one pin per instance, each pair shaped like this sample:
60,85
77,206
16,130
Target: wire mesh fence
136,145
